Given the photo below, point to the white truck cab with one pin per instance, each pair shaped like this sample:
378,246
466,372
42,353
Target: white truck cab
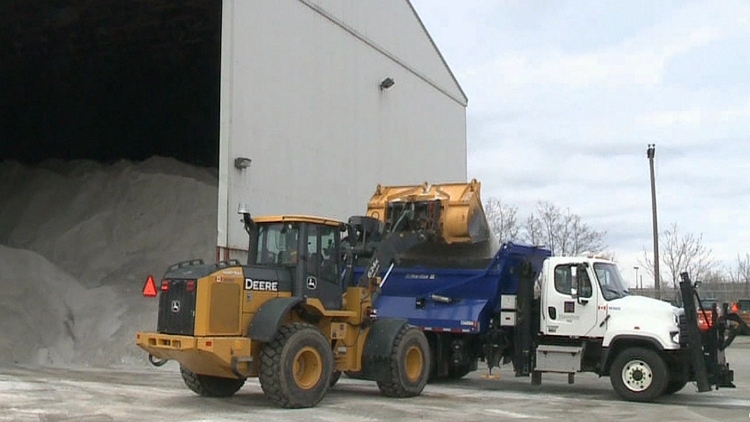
586,297
589,322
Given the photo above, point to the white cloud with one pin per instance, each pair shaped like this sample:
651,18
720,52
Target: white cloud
568,122
696,117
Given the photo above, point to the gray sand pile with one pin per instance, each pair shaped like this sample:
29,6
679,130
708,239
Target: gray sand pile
77,241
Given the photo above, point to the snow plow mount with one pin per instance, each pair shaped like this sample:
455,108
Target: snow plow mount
706,349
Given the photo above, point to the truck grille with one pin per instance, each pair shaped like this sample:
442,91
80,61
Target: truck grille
684,339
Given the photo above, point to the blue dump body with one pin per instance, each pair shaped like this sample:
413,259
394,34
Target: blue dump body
472,295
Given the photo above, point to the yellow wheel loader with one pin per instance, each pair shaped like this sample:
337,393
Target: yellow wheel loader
288,317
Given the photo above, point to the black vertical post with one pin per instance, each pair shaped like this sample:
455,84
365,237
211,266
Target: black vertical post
525,328
650,152
694,335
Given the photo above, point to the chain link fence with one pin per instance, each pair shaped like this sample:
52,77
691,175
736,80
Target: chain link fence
721,292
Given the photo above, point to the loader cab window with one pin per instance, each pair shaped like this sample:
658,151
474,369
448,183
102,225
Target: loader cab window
277,244
610,281
564,280
322,258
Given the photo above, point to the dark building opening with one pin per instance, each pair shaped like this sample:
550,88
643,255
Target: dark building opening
110,79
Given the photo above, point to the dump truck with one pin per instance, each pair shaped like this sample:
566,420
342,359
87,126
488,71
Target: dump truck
284,317
516,304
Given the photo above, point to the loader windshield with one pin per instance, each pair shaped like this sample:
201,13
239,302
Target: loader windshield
610,281
277,244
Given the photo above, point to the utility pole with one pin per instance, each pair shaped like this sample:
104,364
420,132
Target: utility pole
650,152
636,277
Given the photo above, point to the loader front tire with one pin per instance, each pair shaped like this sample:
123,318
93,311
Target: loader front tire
296,366
211,386
639,374
409,364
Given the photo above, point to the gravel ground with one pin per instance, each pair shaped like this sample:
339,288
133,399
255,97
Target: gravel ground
145,394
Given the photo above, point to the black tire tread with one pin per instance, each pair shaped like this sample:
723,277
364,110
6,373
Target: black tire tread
393,387
335,377
211,386
270,368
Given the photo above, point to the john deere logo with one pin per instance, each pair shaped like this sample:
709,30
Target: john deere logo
312,283
175,306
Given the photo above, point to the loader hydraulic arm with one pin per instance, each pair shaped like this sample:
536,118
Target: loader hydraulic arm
367,238
387,253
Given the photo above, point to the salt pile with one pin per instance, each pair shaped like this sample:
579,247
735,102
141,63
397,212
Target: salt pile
77,240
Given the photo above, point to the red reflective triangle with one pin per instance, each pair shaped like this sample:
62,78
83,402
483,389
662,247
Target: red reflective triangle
149,289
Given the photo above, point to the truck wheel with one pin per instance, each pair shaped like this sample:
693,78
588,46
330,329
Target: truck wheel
296,366
210,386
639,374
409,364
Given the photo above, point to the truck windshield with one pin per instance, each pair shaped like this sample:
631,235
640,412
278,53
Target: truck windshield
610,281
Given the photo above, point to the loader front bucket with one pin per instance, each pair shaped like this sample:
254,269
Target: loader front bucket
453,210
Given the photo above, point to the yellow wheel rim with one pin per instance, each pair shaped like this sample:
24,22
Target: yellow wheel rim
308,367
414,363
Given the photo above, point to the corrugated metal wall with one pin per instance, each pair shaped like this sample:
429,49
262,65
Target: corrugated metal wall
301,99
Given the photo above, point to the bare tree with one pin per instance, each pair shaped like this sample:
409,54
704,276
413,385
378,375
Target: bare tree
679,253
741,272
562,232
502,219
533,233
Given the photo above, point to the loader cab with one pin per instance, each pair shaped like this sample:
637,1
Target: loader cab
304,249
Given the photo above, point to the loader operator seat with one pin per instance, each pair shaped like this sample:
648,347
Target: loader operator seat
328,265
288,257
312,263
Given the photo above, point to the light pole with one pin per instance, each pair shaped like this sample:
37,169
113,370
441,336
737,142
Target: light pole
650,153
636,276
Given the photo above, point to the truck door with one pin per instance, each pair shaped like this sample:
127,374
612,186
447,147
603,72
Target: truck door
569,311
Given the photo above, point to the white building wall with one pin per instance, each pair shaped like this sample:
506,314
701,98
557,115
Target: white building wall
300,98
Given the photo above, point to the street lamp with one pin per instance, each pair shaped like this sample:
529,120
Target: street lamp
636,276
650,153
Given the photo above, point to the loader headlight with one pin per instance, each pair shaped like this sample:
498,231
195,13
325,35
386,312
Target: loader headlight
675,336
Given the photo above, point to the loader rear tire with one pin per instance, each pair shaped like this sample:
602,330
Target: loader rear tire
409,364
211,386
639,374
296,366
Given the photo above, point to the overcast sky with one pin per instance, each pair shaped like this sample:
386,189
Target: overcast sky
565,96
